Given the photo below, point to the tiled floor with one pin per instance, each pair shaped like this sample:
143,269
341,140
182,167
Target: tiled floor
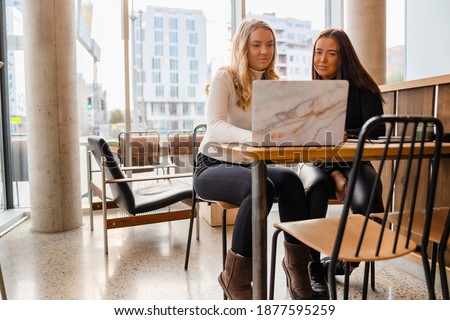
145,262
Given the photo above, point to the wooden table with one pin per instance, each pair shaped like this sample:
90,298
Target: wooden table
258,157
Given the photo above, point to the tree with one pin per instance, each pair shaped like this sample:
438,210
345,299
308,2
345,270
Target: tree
396,77
116,116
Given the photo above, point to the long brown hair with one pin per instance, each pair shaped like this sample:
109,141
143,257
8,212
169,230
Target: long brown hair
239,69
349,68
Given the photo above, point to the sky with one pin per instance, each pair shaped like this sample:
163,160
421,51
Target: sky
107,32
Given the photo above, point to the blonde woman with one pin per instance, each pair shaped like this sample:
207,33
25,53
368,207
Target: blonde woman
229,118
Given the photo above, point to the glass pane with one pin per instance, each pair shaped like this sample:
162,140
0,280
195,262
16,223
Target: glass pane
17,103
295,31
174,47
100,67
189,37
395,41
2,171
427,40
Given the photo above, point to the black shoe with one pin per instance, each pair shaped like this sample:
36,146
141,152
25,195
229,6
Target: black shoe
339,268
318,284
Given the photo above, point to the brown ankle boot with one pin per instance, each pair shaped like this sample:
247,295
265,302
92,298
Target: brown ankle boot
295,265
236,279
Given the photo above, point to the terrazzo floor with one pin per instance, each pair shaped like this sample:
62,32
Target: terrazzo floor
146,262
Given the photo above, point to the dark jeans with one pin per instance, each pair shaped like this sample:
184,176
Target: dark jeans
319,187
217,180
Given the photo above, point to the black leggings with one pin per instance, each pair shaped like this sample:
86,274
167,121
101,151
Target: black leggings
319,187
217,180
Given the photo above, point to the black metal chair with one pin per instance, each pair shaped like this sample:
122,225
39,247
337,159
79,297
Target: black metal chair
443,244
197,137
410,183
2,285
438,237
152,203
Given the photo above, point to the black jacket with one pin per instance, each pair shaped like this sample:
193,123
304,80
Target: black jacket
361,106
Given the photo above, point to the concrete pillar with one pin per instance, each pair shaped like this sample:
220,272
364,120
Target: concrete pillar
365,24
52,118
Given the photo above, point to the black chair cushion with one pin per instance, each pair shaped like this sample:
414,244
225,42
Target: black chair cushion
158,195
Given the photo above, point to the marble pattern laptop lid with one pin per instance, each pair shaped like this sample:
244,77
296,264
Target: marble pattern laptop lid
299,113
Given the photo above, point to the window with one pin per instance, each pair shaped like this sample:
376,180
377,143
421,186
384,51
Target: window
159,91
188,124
173,125
173,37
142,35
138,62
173,51
158,36
173,64
173,23
395,40
158,22
172,109
159,50
191,92
190,52
174,92
174,78
193,65
162,31
138,47
200,109
190,25
141,76
158,109
156,63
186,109
193,38
194,78
156,77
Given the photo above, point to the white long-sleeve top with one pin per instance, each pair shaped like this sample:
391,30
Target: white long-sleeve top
227,123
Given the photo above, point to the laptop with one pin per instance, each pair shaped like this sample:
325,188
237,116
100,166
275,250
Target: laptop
299,113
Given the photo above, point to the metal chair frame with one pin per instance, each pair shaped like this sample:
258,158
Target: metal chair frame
195,199
2,285
140,207
385,243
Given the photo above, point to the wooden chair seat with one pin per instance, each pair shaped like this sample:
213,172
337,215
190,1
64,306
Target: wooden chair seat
437,223
222,204
321,234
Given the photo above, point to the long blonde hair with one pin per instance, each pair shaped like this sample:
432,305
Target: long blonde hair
239,69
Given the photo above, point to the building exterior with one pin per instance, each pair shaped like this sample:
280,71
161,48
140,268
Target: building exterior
295,40
170,66
170,69
395,64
